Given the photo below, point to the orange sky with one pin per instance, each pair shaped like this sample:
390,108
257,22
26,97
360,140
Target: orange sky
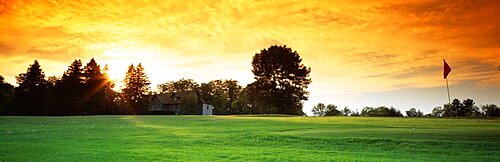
356,49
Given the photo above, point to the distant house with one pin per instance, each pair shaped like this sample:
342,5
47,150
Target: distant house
173,103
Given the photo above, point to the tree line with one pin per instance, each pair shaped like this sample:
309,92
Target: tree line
457,108
81,90
280,87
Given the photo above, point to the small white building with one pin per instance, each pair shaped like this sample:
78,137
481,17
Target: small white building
207,109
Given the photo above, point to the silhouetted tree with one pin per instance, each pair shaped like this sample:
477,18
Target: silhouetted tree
331,110
381,111
491,110
355,113
110,96
281,80
95,92
6,95
452,109
178,86
54,98
319,109
461,109
437,111
326,110
30,97
136,88
346,111
52,80
395,112
368,111
470,109
414,113
69,91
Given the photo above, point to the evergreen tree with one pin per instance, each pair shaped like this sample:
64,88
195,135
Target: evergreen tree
135,91
110,106
30,97
95,93
69,91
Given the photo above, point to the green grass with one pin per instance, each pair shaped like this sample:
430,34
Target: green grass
247,138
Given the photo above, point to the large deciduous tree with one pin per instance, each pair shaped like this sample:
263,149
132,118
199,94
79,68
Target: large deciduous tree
221,94
346,111
461,109
326,110
437,111
281,80
414,113
331,110
319,109
491,110
381,111
178,86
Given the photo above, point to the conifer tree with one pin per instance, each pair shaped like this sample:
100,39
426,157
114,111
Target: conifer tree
69,91
110,94
135,91
30,97
94,95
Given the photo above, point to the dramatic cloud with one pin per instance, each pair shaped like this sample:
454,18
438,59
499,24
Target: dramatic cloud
353,48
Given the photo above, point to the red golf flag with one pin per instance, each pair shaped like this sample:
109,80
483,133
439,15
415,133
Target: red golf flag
446,69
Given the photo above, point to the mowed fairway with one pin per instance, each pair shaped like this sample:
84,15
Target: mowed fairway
244,138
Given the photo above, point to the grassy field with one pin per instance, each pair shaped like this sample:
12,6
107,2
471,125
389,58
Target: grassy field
247,138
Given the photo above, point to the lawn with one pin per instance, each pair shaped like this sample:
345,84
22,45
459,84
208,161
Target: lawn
247,138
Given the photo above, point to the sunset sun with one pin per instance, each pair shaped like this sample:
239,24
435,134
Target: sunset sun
119,59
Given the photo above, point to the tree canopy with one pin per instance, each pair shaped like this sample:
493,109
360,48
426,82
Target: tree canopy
414,113
281,80
460,109
381,111
178,86
221,94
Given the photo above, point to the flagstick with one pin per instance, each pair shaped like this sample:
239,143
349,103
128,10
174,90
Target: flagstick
447,88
